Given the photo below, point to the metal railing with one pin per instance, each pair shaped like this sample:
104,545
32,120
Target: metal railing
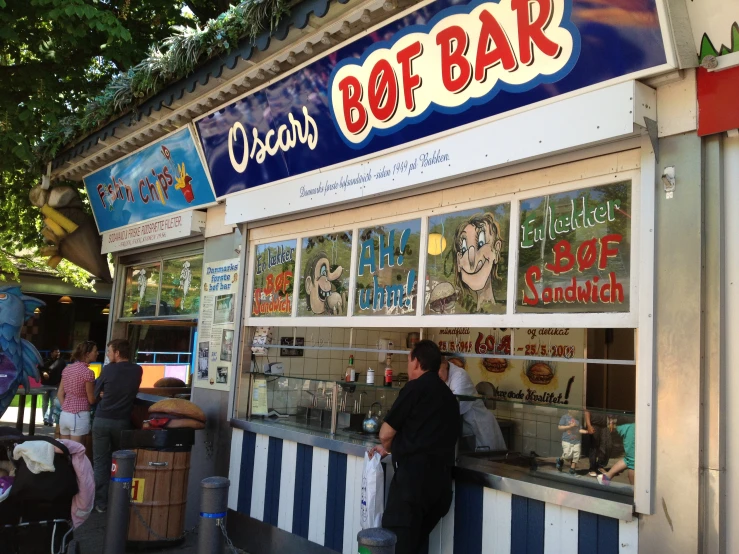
181,357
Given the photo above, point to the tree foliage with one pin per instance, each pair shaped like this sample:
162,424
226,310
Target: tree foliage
70,66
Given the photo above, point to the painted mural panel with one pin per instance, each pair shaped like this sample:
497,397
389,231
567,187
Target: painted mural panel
181,279
575,251
141,291
387,269
274,274
324,280
467,261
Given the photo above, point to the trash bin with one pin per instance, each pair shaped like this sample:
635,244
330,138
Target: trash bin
159,487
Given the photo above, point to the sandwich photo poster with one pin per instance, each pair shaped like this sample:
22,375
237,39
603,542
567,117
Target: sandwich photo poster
216,324
531,381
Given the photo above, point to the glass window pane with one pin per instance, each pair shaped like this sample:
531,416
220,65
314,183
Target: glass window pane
181,286
324,281
575,251
467,263
387,269
274,274
140,293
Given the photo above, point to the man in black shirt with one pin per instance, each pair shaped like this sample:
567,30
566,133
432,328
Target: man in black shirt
116,387
51,376
421,432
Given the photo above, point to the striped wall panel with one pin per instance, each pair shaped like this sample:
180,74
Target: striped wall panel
315,493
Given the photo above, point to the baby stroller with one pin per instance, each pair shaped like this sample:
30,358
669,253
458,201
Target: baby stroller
36,515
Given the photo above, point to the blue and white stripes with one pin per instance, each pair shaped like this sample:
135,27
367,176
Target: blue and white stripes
315,493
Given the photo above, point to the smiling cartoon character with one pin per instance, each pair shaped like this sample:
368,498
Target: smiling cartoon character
477,245
319,280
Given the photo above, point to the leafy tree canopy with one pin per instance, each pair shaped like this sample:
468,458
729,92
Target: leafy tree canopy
69,66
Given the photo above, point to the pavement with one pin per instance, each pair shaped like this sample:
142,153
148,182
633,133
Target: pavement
91,534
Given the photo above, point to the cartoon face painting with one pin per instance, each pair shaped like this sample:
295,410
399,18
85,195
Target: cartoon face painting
319,285
477,246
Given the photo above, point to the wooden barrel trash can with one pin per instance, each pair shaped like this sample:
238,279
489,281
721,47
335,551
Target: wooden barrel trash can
159,487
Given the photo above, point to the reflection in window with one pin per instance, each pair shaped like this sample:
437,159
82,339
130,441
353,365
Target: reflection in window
181,280
141,291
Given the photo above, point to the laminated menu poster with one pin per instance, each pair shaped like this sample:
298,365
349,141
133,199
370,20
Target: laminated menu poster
553,380
216,324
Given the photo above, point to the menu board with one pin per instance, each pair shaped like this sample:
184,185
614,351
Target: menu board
216,323
324,277
274,274
526,380
467,261
575,251
387,269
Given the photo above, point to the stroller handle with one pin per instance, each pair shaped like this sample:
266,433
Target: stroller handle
10,438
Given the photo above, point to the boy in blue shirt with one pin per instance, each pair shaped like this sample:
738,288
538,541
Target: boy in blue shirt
570,427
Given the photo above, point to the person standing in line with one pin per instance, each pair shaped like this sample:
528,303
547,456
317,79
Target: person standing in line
116,388
51,376
76,393
421,431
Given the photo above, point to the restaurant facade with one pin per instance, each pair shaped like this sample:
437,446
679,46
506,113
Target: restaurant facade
522,182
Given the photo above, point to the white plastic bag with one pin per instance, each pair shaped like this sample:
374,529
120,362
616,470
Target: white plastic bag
373,492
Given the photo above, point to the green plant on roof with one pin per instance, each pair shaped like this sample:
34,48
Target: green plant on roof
173,59
708,49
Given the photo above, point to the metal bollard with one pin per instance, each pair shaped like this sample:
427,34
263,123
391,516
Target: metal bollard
376,541
213,506
119,499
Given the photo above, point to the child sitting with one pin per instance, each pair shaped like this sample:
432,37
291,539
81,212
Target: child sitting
570,427
627,462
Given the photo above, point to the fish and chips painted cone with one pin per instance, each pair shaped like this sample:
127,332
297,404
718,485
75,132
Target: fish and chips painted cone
70,232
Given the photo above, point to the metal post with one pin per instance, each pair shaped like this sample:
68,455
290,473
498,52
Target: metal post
376,541
119,498
213,506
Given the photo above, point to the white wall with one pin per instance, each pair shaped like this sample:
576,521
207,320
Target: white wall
731,268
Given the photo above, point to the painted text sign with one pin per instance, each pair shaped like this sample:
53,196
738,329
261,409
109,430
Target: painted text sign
575,251
165,177
441,67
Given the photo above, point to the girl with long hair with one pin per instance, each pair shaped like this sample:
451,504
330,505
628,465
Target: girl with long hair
76,393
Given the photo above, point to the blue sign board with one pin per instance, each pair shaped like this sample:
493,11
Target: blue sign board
448,64
165,177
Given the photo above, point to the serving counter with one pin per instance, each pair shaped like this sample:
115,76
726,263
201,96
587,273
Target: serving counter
296,475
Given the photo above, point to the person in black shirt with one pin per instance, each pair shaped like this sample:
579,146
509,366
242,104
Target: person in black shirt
116,387
51,376
421,432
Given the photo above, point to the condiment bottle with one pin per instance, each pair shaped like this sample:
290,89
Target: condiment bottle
388,372
370,376
351,375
